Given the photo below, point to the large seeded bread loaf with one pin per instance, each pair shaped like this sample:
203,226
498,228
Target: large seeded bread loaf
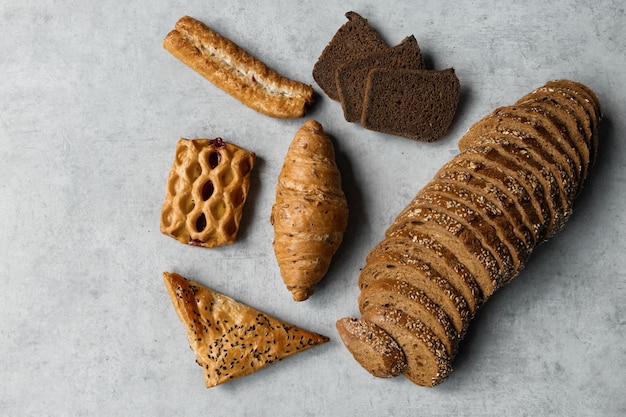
473,227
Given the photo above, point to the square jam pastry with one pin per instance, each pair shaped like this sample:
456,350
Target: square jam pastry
207,188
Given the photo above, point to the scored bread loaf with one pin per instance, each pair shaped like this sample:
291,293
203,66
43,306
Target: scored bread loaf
512,186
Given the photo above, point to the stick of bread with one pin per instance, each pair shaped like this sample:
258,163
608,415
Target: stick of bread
475,224
231,339
235,71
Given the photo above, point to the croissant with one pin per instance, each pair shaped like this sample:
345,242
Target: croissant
310,213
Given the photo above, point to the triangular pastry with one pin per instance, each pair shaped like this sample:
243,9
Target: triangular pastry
231,339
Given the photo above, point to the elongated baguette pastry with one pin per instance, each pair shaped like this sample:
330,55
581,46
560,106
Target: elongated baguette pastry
235,71
472,228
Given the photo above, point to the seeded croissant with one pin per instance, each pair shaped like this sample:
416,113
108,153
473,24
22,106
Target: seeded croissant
310,213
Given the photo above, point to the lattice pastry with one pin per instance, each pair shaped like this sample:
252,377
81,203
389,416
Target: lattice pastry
207,188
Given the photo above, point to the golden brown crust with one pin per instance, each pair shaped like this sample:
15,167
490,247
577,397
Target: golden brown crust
235,71
372,347
310,212
231,339
207,188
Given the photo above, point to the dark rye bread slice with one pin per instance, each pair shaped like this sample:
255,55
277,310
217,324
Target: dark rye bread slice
372,347
423,276
461,212
499,203
405,297
351,77
490,213
460,239
355,39
428,363
540,135
528,197
440,257
415,104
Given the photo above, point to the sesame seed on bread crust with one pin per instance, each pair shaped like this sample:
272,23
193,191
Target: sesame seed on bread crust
373,348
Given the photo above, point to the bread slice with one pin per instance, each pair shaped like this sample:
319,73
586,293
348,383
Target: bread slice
461,239
229,338
352,77
493,194
572,106
471,219
372,347
477,203
586,98
428,363
526,193
415,104
571,126
509,150
354,40
540,135
440,257
411,300
422,275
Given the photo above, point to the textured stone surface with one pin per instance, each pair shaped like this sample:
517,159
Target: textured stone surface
91,107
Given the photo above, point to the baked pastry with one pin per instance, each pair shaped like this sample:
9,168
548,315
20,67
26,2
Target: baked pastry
207,188
235,71
310,212
231,339
472,228
355,39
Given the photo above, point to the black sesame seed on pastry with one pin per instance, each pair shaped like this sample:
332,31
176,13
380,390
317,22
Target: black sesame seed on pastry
231,339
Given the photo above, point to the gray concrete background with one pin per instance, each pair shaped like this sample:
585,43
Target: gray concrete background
91,106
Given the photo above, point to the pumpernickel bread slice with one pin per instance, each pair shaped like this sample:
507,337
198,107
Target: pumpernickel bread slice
355,39
415,104
352,77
